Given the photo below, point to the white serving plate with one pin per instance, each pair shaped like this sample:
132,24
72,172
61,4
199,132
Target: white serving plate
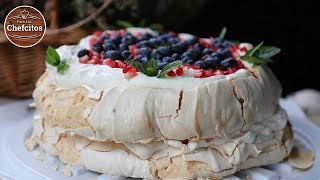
18,163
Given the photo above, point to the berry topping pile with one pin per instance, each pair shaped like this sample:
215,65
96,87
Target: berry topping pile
199,57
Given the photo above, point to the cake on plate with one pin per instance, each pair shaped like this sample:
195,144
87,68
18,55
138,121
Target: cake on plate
144,104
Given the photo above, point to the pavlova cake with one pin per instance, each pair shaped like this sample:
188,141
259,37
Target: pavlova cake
139,103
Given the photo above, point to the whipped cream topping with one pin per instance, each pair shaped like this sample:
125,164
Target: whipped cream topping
103,76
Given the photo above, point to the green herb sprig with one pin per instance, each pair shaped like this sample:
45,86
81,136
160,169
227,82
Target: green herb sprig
223,33
152,69
261,54
53,58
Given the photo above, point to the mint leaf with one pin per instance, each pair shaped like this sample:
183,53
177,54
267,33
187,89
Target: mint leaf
152,71
152,64
63,66
51,60
52,52
255,60
138,65
223,33
168,68
265,52
124,24
252,51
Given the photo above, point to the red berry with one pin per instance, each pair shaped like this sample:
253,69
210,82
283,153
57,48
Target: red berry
129,69
244,49
109,62
130,75
171,73
179,71
208,73
120,64
97,33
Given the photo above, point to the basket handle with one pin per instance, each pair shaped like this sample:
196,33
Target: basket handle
73,26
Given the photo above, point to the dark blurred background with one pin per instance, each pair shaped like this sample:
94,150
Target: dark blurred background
290,25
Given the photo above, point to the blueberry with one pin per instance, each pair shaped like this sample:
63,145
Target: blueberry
123,47
198,47
229,62
83,52
166,36
162,64
207,51
144,43
128,39
191,53
108,46
104,37
176,56
212,61
165,51
144,60
224,53
126,54
179,47
173,40
115,40
226,44
145,51
145,36
154,42
168,59
97,49
112,54
217,42
201,64
187,60
140,56
96,44
156,55
192,41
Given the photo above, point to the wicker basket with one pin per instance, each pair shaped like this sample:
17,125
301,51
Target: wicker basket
21,67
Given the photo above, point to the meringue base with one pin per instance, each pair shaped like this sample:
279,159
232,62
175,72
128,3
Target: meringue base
166,162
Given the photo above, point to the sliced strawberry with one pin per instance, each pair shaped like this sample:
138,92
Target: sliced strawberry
120,64
109,62
129,69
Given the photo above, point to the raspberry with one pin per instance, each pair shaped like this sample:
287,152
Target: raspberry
108,62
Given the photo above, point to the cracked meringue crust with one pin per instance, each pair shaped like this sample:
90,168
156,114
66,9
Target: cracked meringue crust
92,116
